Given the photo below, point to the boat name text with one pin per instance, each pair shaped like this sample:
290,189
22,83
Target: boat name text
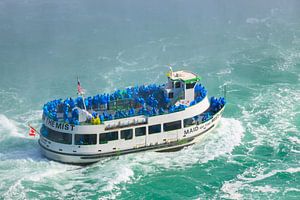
196,128
59,125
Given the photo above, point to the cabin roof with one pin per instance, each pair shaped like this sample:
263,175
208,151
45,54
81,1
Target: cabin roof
186,77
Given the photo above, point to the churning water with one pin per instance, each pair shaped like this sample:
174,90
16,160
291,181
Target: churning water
252,46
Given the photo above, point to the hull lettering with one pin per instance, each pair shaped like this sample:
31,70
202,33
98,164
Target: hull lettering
59,125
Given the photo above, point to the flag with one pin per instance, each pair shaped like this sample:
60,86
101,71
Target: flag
80,90
32,132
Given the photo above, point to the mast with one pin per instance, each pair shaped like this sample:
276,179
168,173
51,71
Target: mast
80,92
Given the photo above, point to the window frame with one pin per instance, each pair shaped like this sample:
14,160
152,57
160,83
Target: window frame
167,129
84,135
67,137
113,133
177,84
122,131
188,84
155,125
139,128
186,124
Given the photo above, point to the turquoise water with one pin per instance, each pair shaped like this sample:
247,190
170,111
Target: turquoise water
252,47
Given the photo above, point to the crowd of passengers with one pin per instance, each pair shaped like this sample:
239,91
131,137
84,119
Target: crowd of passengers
149,100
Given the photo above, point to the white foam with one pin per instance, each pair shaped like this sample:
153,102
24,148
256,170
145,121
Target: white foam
114,77
8,127
219,142
223,140
7,124
10,100
265,189
268,119
291,190
262,176
289,58
122,61
242,38
124,175
18,126
108,178
225,71
294,140
117,171
27,170
253,20
104,58
32,117
231,188
16,191
276,111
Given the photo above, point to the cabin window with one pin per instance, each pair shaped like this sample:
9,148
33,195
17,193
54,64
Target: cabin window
127,134
56,136
85,139
191,121
172,126
171,95
154,129
140,131
190,85
177,85
106,137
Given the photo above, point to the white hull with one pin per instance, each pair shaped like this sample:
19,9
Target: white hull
191,135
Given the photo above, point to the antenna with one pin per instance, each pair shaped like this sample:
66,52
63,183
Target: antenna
170,72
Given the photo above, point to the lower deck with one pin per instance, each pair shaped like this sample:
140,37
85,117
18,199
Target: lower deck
164,136
87,159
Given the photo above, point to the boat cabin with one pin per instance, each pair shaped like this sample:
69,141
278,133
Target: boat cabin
180,86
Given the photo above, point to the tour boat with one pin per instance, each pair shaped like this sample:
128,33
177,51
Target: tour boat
161,118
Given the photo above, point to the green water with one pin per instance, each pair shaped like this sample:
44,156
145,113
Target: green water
251,46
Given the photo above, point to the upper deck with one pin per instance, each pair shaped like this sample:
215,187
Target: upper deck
180,92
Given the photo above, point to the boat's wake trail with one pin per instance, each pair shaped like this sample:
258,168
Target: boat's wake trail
130,169
219,142
110,176
8,127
